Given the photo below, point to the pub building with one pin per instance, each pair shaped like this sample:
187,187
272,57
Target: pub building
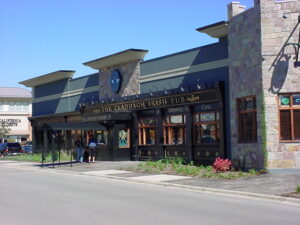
238,98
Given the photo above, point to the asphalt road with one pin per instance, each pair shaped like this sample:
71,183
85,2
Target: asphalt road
42,198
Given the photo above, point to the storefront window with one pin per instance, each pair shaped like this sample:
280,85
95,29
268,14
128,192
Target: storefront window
147,131
289,116
18,106
101,137
25,106
11,106
124,138
247,119
206,128
174,129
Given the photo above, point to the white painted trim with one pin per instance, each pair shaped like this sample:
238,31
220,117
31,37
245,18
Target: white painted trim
184,70
66,94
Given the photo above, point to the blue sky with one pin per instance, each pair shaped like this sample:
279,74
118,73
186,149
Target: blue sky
42,36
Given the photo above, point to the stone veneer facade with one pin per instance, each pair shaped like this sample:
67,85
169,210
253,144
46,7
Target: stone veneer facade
130,73
261,63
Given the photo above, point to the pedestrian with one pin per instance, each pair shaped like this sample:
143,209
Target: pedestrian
92,148
79,149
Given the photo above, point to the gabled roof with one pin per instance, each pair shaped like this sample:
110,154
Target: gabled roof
14,92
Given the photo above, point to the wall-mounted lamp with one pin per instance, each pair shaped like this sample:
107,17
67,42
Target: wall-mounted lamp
297,62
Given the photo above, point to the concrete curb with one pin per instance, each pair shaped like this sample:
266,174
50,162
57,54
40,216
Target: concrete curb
224,192
217,191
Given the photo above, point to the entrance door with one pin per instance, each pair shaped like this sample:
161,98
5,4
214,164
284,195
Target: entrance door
121,142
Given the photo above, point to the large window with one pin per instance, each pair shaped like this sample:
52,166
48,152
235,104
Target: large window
289,117
11,106
147,130
206,128
247,119
174,129
101,137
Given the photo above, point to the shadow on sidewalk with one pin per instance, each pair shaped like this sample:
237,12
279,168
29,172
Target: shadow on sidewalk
57,164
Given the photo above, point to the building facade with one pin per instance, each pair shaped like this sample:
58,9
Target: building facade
238,98
15,108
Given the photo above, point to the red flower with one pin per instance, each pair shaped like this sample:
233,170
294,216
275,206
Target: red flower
222,165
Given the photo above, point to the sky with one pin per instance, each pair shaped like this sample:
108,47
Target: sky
42,36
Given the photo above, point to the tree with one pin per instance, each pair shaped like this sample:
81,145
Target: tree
4,129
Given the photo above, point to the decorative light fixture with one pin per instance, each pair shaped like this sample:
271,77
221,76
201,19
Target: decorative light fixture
181,88
150,93
297,62
165,91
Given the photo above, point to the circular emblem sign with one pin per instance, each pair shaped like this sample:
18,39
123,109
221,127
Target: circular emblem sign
115,81
285,101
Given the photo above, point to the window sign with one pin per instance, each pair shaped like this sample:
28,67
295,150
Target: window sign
149,121
124,138
176,119
205,117
296,99
284,100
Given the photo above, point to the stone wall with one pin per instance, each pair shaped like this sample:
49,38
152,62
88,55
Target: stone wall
279,37
130,73
244,50
261,57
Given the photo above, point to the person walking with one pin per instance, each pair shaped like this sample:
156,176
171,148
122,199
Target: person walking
79,149
92,149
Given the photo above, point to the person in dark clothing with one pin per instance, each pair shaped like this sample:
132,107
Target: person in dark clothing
79,149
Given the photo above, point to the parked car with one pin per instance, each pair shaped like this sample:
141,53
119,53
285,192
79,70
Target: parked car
27,148
3,150
11,148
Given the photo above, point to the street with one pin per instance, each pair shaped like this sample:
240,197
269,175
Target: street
37,197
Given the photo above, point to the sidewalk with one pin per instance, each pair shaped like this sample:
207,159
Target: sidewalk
275,183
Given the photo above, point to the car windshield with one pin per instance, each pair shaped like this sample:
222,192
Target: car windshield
13,144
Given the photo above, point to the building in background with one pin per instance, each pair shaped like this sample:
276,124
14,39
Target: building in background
238,98
15,108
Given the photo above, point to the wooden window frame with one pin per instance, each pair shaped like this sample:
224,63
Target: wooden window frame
142,130
216,122
254,119
169,126
291,109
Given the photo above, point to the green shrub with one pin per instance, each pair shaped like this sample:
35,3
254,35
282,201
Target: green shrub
298,188
252,172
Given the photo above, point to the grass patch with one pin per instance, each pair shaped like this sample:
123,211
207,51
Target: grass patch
179,167
35,157
298,189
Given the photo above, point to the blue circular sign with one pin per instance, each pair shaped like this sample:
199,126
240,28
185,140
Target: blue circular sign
115,81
